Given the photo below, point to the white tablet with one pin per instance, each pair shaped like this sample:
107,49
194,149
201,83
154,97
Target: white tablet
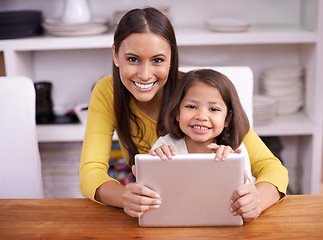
195,190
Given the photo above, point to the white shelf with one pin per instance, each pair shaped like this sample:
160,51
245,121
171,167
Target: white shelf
60,132
63,133
197,36
287,125
186,36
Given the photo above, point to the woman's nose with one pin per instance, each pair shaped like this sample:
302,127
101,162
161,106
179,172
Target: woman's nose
145,72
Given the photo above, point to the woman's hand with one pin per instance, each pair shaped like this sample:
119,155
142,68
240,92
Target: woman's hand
221,151
164,152
245,201
138,199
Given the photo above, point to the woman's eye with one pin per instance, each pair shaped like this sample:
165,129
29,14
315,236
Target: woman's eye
132,59
158,60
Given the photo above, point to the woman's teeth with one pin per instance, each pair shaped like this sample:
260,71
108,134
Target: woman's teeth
144,86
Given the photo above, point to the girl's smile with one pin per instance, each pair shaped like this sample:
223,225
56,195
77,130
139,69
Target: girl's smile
202,115
200,129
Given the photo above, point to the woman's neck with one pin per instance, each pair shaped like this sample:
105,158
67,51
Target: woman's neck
151,108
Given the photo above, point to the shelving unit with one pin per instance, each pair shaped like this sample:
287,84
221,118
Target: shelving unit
284,33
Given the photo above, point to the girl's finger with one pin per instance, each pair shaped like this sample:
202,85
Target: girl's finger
219,152
167,151
160,153
152,152
226,151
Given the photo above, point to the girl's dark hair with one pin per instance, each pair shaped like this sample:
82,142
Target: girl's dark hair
238,121
141,21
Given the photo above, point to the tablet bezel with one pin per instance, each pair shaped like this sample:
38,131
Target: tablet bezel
186,196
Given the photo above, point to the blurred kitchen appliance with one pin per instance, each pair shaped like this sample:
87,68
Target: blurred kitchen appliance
44,104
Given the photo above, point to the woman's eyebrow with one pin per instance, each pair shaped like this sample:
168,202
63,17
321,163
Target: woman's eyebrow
135,55
159,55
131,54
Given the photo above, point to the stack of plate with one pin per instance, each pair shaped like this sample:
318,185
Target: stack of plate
286,85
227,25
20,24
61,29
264,109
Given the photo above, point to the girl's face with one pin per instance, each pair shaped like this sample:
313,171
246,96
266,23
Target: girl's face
202,114
144,61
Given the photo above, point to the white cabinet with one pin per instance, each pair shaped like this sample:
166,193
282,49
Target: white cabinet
283,33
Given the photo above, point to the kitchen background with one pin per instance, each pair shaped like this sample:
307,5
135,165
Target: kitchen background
275,38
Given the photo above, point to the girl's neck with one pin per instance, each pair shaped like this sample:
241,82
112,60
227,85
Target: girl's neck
198,147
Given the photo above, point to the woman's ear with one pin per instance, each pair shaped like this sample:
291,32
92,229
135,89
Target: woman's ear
228,119
115,56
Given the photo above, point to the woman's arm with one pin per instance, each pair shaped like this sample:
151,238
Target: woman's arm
133,198
272,180
94,180
265,166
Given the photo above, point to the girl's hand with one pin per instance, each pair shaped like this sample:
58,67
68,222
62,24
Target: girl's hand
221,151
164,152
245,201
138,199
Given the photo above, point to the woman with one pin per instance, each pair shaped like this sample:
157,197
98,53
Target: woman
145,72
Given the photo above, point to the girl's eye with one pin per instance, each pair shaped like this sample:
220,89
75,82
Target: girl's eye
190,106
158,60
132,59
214,109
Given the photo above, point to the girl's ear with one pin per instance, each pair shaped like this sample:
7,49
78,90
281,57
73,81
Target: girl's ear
228,119
177,115
115,56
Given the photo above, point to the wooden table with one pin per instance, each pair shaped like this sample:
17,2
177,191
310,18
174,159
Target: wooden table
296,217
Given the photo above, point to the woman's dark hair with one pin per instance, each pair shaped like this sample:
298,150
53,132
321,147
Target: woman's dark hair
141,21
238,121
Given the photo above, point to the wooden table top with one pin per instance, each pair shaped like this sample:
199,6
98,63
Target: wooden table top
296,217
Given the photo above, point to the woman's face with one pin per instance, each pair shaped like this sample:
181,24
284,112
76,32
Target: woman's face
202,114
144,61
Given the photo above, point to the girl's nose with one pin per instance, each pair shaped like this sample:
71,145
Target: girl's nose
145,72
201,115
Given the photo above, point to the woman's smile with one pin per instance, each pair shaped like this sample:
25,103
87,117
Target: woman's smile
144,86
144,62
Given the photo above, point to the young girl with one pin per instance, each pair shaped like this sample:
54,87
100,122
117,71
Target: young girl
204,114
145,73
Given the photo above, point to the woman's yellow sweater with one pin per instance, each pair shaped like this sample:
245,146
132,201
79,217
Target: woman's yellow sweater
101,125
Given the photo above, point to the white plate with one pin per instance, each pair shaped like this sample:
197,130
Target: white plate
227,25
86,32
72,28
284,72
58,22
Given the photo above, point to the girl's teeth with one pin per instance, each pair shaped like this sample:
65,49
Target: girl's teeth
200,128
144,86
